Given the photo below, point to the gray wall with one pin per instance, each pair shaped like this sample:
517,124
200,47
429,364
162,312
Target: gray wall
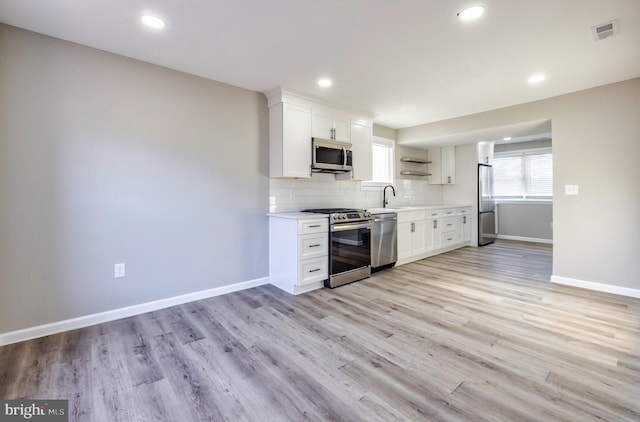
595,145
105,159
525,219
531,220
384,132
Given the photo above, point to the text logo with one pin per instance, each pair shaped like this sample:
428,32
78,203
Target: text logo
34,410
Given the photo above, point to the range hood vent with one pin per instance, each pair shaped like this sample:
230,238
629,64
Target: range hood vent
605,30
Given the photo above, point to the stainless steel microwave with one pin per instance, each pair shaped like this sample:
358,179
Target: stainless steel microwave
329,156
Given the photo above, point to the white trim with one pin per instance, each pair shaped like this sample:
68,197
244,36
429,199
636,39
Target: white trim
600,287
525,239
93,319
520,201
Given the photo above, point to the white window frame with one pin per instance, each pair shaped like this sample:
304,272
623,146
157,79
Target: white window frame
522,153
379,185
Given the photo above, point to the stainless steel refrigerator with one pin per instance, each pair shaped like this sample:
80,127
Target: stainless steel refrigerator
486,206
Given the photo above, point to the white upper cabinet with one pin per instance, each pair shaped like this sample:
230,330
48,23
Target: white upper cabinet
449,165
443,165
361,135
485,152
294,120
329,123
289,141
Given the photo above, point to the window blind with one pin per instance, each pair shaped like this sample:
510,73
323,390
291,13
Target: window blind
382,163
382,158
523,174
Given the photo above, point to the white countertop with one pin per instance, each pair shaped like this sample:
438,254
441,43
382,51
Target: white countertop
297,215
416,208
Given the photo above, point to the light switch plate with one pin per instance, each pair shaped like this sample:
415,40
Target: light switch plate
118,270
570,189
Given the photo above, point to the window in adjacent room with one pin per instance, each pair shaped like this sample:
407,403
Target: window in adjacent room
526,174
382,160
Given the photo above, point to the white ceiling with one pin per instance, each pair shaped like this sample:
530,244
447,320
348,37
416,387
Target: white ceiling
407,62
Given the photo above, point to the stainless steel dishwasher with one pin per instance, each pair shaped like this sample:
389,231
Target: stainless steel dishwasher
384,244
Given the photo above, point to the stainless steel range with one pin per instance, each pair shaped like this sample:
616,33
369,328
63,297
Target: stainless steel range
349,245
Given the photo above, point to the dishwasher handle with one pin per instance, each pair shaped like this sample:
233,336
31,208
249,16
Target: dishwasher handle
385,217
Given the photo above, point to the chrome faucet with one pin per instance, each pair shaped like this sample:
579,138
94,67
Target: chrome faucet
384,195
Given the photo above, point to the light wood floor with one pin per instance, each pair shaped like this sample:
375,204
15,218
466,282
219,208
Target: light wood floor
472,335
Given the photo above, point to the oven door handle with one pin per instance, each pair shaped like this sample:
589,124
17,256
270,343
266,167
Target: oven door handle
355,226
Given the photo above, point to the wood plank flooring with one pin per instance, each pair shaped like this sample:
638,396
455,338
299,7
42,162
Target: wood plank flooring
477,334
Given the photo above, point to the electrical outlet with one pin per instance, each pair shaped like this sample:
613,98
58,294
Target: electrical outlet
118,270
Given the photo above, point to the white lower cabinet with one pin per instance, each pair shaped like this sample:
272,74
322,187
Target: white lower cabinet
451,231
298,253
411,234
404,240
423,233
312,270
433,230
465,215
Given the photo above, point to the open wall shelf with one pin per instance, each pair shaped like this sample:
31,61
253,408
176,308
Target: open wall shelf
414,160
414,173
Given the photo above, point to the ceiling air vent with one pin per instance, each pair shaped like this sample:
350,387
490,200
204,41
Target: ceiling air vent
605,30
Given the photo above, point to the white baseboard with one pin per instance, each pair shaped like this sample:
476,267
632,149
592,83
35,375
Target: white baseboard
590,285
87,320
524,239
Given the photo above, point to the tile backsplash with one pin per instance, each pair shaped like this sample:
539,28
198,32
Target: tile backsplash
323,191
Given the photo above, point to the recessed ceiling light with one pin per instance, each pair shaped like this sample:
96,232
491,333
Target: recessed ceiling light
324,82
508,138
152,21
471,13
536,79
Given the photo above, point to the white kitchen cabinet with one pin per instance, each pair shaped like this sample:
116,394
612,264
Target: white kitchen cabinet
330,123
443,165
298,252
465,215
431,231
404,240
295,119
411,234
451,231
289,141
418,240
485,152
361,135
452,227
